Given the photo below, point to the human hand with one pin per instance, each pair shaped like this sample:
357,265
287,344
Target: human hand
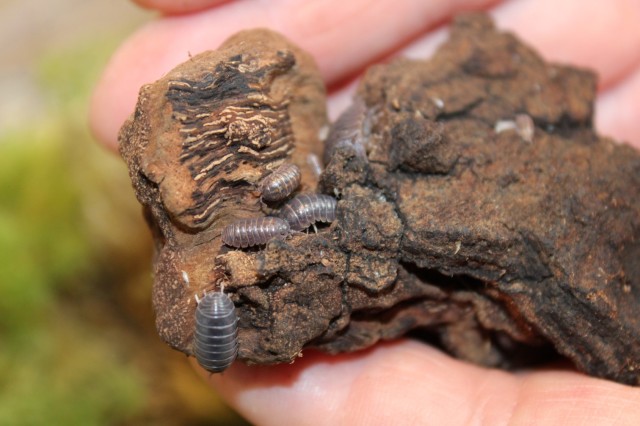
401,382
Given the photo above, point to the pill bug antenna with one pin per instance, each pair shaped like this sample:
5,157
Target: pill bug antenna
187,281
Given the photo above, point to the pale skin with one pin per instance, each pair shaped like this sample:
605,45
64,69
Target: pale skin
403,382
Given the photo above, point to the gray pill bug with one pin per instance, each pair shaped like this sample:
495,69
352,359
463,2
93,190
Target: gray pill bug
278,185
306,209
216,333
349,129
254,231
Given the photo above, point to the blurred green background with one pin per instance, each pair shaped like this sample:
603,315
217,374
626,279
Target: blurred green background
77,339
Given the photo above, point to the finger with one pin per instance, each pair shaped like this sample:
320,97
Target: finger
345,36
597,35
617,111
560,397
416,384
342,36
177,7
604,36
396,383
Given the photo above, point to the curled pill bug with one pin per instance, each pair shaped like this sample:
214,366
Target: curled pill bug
306,209
216,332
254,231
281,183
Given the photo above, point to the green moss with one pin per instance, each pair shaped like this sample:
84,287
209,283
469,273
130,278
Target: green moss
56,366
63,373
42,245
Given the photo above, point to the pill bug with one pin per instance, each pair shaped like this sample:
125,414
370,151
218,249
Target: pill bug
306,209
349,129
281,183
216,332
254,231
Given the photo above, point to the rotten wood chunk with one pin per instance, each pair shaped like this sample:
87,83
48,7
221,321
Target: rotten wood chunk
504,245
199,144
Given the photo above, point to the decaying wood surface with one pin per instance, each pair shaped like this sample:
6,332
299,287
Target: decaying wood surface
476,205
199,144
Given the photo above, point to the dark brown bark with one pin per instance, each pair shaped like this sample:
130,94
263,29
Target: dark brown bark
453,218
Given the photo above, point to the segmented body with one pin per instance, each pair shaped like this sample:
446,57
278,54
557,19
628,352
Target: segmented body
255,231
216,332
280,184
306,209
349,129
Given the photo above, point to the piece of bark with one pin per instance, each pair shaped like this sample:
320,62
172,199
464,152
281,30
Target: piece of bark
198,144
499,241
